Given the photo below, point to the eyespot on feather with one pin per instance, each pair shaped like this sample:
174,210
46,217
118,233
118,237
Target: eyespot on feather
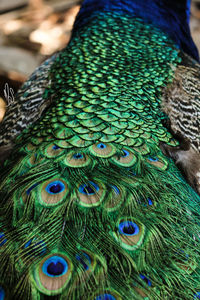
130,234
126,159
76,159
52,192
53,150
157,161
91,194
102,149
52,274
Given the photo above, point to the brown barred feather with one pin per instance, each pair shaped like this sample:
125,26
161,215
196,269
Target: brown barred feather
26,107
181,102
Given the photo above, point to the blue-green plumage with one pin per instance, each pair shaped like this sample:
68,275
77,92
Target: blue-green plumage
91,208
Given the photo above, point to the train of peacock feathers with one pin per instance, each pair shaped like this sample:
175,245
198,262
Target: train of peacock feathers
93,204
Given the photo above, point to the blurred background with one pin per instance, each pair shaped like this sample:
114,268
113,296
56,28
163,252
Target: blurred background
32,30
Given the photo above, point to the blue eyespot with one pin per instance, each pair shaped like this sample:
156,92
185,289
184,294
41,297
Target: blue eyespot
128,228
101,146
30,189
2,293
89,189
78,156
55,187
55,147
197,295
55,266
84,259
105,297
125,153
153,158
150,202
3,240
116,190
146,279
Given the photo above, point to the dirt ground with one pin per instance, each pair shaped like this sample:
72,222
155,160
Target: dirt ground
32,30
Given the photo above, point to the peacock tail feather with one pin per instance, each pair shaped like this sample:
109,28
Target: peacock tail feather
91,207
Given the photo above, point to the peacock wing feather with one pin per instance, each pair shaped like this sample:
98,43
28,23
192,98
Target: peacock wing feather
25,107
181,102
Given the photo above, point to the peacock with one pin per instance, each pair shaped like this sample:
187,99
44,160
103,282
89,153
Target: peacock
100,162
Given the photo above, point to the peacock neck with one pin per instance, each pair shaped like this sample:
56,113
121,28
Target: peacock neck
172,17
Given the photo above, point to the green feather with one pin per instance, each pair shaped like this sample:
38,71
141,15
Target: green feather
89,203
